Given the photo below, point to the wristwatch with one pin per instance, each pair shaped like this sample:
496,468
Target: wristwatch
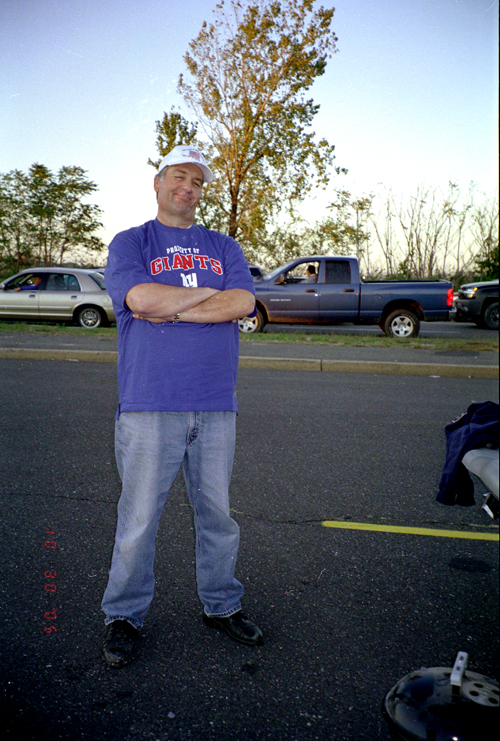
176,319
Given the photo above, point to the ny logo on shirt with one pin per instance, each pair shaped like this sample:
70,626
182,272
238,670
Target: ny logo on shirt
189,281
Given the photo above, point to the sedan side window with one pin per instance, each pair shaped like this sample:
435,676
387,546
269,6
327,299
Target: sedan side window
62,282
73,284
13,284
25,282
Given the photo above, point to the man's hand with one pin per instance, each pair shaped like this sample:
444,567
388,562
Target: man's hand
224,306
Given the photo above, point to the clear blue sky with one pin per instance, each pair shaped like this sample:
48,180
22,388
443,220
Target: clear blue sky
410,98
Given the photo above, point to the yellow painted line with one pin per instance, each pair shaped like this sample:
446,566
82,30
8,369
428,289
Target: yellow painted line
410,530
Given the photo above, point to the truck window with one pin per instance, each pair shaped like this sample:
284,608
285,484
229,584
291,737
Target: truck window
338,271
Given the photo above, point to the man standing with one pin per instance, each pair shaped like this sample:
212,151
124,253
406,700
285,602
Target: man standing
177,289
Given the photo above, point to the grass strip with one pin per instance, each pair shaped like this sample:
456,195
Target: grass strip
294,338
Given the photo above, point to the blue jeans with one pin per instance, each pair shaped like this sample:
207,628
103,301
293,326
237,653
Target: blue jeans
150,449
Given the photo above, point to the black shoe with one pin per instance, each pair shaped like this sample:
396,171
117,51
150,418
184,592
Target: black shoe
119,643
238,627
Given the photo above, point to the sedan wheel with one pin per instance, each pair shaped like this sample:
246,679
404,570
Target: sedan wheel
90,317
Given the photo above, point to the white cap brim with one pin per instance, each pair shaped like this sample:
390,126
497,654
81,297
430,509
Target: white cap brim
181,155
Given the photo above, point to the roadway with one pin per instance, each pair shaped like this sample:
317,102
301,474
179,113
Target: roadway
396,358
346,613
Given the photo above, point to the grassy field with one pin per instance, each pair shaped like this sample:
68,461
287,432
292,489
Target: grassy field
489,344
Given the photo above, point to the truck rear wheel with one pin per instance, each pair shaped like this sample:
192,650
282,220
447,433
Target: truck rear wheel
402,323
250,325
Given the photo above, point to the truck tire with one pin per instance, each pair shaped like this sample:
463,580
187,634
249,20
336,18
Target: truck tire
490,316
250,325
402,324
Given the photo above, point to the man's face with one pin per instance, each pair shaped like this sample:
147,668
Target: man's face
178,193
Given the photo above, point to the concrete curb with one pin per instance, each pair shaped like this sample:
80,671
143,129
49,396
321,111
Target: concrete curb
250,361
325,366
92,356
373,366
451,370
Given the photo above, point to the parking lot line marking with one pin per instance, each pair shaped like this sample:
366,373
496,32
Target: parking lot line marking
410,530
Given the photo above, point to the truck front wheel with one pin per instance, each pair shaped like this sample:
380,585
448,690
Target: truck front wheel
402,324
490,316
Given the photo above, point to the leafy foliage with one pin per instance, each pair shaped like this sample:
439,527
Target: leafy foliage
249,71
488,265
485,229
248,76
43,217
171,131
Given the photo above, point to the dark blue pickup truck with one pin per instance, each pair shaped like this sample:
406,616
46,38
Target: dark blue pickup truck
328,290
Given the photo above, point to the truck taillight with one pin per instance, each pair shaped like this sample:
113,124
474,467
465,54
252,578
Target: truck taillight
450,297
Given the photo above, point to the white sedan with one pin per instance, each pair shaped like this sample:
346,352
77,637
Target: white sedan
57,294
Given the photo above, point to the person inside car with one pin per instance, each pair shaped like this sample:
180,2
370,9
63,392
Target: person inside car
311,274
31,287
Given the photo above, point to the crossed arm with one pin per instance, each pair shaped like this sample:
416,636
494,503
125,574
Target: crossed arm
156,302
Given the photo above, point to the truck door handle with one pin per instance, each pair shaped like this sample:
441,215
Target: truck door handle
348,290
311,290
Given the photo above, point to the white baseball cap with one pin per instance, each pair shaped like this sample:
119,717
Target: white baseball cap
183,154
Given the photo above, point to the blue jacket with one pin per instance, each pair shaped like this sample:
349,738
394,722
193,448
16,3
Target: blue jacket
477,428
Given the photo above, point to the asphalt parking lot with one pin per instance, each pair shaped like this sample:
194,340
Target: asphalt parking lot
346,612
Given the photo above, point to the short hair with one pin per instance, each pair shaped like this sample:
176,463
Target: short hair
312,268
160,175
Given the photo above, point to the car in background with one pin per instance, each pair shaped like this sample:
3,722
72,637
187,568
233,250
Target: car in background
256,272
75,295
478,302
328,290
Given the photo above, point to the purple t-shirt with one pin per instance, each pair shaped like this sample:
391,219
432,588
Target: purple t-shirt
184,366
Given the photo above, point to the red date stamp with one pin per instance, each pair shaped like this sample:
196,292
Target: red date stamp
50,587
